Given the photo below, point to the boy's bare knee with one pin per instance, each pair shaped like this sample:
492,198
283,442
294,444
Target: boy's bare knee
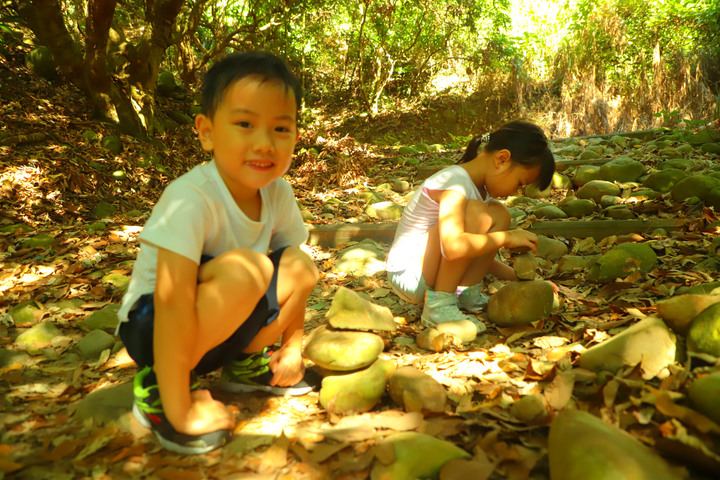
241,268
300,267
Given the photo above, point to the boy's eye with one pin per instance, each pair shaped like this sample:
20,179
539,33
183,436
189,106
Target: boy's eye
282,129
244,124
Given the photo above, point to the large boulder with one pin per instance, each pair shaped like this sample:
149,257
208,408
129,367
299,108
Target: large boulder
621,261
595,189
342,350
581,446
521,303
356,392
694,186
664,180
649,343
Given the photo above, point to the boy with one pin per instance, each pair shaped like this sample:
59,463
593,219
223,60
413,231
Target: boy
204,293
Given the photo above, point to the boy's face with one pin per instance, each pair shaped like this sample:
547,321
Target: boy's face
252,133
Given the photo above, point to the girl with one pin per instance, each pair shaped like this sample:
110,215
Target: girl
452,226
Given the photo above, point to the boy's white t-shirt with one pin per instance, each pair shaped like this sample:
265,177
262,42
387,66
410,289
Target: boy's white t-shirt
422,213
196,215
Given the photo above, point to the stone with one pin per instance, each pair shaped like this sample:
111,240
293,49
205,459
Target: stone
104,209
576,263
384,211
464,330
569,151
622,169
589,155
595,189
9,358
705,135
679,311
118,281
25,312
166,83
560,181
400,186
702,288
342,350
112,144
42,63
619,140
582,446
529,409
694,186
94,343
608,200
713,199
38,241
356,392
622,260
364,258
106,404
351,311
407,150
704,332
711,148
549,212
648,343
585,174
619,212
663,180
412,455
579,207
513,201
37,337
524,266
104,319
551,248
521,303
532,191
416,391
682,164
704,395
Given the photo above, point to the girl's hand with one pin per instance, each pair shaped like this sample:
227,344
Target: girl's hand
206,415
519,238
287,367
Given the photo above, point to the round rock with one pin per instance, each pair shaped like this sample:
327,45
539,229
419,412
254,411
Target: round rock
344,350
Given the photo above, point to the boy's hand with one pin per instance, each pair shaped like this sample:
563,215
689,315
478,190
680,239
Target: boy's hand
518,238
206,415
287,367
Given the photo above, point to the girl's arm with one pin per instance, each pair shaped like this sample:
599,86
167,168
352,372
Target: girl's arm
175,348
457,243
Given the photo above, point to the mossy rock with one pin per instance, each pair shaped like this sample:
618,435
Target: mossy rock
521,303
590,155
38,241
679,311
706,135
118,281
622,260
649,343
560,181
551,248
582,446
529,409
416,391
664,180
112,143
42,63
513,201
364,258
713,199
711,148
106,318
37,337
409,151
384,211
106,404
25,312
533,191
166,83
704,332
569,151
94,343
342,350
356,392
619,212
704,395
579,207
622,169
595,189
549,212
411,456
576,263
694,186
585,174
352,312
677,163
609,200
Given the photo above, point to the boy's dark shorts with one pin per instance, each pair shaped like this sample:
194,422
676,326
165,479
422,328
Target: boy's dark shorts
137,332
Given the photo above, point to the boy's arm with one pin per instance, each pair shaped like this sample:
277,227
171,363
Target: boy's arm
175,348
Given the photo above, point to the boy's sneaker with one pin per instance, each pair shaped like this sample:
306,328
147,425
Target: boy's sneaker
251,373
148,410
441,307
472,299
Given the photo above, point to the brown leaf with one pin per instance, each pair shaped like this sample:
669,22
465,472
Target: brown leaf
460,469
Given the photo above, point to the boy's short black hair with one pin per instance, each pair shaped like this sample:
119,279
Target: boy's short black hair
236,66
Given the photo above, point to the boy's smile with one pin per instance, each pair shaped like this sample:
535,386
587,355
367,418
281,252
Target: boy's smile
252,135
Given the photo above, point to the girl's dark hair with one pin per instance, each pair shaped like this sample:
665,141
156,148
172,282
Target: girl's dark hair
237,66
527,144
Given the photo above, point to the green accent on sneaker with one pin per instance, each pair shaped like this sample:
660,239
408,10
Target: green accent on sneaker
144,393
249,368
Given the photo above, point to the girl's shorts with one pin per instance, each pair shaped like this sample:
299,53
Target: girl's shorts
137,332
409,284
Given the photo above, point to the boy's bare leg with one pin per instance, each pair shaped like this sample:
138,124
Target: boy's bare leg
297,276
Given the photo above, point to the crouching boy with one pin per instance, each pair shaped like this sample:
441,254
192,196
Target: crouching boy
205,294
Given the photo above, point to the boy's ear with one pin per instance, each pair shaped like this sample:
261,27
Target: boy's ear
203,124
